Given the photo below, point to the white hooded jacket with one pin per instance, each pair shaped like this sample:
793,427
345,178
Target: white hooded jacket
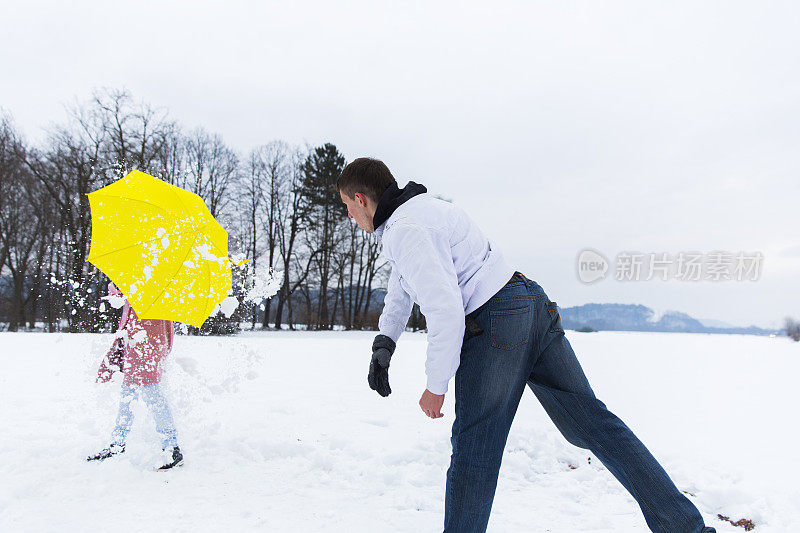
441,260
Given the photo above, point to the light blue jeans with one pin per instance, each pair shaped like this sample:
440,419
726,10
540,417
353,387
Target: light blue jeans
158,407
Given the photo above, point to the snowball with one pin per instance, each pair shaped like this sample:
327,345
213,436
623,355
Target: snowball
228,306
115,301
139,336
266,283
238,258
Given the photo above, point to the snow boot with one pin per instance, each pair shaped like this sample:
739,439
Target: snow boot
177,459
111,451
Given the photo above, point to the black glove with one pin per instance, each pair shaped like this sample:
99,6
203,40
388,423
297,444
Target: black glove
378,378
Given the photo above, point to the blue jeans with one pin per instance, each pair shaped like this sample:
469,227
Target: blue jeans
516,339
158,407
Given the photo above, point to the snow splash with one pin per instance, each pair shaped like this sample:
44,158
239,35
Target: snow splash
264,284
115,301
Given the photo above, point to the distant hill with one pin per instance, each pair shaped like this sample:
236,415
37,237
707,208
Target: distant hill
628,317
632,317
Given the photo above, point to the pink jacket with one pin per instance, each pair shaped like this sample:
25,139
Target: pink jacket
146,343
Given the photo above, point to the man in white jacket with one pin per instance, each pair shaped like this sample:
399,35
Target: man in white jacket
496,331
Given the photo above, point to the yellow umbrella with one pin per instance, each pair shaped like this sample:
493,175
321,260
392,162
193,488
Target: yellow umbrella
161,247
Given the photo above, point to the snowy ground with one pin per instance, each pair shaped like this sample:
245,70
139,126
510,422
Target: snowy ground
281,433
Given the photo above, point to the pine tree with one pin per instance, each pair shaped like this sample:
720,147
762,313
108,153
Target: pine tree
324,212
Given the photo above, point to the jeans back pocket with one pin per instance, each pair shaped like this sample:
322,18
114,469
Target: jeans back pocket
510,328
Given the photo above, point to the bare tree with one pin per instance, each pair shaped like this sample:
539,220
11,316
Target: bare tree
170,163
291,222
135,132
273,162
358,263
251,200
211,169
8,163
21,227
69,170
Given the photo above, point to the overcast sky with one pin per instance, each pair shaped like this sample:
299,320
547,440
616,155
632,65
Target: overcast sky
618,126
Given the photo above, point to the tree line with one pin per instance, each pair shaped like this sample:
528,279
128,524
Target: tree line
277,201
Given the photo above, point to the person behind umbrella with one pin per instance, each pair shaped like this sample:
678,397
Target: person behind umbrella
139,350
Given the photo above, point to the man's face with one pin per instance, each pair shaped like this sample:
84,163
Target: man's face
360,209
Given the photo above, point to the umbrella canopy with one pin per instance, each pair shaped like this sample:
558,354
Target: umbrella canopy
161,247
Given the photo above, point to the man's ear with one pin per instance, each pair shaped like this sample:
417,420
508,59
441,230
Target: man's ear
362,199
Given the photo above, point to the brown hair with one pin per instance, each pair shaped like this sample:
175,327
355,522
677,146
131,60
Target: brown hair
365,175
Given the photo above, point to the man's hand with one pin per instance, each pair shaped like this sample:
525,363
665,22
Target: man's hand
378,377
431,404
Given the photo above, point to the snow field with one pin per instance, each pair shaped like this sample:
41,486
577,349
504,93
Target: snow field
281,433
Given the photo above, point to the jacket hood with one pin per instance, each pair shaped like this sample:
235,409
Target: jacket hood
392,198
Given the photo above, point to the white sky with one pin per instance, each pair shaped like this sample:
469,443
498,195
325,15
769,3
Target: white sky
640,126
